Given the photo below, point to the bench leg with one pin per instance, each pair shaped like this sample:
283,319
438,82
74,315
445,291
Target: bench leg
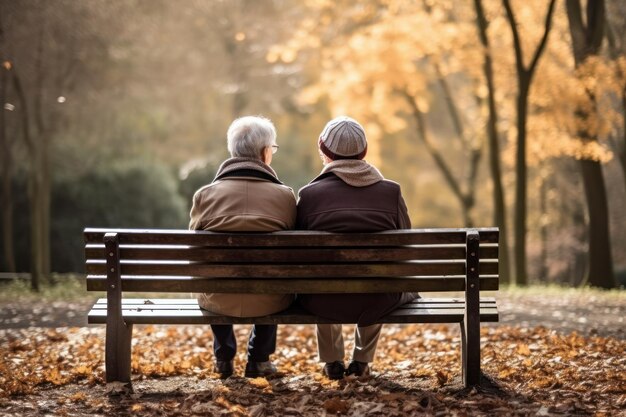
118,333
118,349
470,327
470,356
463,352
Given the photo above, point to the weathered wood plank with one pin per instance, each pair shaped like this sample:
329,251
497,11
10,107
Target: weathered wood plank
296,255
290,286
189,307
165,313
293,316
290,238
360,270
193,301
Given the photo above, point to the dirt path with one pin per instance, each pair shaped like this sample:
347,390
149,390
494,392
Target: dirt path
587,313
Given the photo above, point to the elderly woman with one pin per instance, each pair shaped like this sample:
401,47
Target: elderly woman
245,196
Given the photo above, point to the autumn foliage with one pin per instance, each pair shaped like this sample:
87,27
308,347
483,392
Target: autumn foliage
417,371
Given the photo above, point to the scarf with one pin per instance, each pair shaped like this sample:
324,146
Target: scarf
354,172
247,167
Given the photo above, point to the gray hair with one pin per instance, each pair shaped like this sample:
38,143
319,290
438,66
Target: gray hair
249,135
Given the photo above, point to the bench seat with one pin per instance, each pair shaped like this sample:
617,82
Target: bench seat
187,311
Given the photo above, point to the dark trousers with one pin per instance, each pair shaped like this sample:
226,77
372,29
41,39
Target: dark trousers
261,345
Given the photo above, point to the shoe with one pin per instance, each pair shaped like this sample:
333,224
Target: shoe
259,369
334,370
357,368
224,368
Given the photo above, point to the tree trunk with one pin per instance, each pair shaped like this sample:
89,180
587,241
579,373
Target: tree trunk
6,160
36,256
586,42
7,188
7,223
7,219
42,165
543,227
45,209
494,147
520,277
524,78
622,154
34,185
600,269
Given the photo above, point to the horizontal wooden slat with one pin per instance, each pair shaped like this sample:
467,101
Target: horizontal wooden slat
189,307
413,268
203,317
294,315
290,238
287,286
296,255
129,302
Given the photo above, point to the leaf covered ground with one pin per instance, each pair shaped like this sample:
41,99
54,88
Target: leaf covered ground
528,371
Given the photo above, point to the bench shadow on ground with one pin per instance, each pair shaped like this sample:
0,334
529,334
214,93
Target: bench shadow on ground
304,395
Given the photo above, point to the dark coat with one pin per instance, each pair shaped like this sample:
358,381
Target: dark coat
329,204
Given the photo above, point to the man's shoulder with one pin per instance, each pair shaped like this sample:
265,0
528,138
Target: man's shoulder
390,184
203,190
253,186
319,183
266,186
285,191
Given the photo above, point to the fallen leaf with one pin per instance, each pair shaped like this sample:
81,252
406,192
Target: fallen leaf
335,406
523,349
259,382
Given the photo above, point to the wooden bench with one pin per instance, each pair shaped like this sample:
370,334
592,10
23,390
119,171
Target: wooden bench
181,261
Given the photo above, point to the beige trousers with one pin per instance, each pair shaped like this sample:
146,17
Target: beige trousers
330,343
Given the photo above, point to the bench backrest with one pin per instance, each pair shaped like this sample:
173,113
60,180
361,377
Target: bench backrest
290,261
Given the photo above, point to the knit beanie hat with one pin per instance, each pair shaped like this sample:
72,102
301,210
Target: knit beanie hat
343,138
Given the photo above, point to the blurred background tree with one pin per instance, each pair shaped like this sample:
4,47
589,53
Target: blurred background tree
114,113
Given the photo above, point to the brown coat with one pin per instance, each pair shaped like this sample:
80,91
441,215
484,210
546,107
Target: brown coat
330,204
244,204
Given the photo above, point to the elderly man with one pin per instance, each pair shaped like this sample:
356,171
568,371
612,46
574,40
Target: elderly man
245,196
350,195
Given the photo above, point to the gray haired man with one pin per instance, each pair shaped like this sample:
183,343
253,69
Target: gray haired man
245,196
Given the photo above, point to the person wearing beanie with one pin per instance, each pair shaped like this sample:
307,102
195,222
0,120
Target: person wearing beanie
245,196
349,195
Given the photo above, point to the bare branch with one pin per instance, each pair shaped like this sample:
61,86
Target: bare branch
39,83
544,38
475,157
17,85
577,28
450,103
517,45
595,24
431,148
